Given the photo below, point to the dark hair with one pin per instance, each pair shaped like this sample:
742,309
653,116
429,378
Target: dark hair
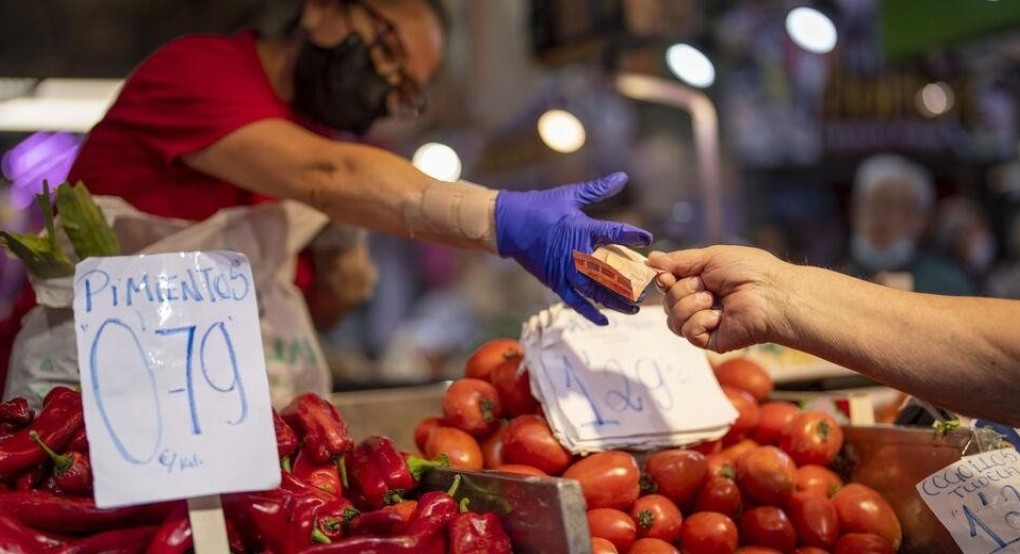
280,18
443,14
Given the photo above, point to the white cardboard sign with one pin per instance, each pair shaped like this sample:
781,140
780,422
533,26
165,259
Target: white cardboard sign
630,384
978,501
173,377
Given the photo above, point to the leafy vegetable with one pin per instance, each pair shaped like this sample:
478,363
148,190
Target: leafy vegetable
41,255
84,223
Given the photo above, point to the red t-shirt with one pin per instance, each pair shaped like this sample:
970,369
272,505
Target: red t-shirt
181,99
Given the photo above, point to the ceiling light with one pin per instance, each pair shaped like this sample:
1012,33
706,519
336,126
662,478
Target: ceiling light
690,65
811,30
935,99
561,130
438,161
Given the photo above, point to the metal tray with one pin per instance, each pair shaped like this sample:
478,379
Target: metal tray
892,460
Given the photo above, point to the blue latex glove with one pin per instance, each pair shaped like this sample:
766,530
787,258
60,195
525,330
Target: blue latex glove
541,229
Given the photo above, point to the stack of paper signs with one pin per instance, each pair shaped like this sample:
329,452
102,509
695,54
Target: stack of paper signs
632,384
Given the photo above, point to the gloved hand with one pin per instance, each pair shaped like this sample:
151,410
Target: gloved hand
541,229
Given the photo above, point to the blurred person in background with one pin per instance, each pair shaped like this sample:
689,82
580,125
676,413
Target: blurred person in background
892,201
962,231
960,353
209,122
1004,281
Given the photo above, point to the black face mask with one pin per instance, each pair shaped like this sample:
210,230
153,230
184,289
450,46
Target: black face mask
339,87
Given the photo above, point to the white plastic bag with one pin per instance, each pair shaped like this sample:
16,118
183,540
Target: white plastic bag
270,235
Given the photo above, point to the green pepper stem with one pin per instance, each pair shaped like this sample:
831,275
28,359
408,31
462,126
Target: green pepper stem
342,466
417,465
456,484
463,504
320,537
60,463
285,464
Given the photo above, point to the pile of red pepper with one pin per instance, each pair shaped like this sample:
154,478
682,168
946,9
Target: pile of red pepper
336,495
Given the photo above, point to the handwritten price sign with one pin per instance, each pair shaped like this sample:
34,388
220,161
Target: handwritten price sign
978,500
629,384
173,377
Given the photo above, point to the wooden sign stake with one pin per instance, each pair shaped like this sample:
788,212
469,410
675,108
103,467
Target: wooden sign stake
208,526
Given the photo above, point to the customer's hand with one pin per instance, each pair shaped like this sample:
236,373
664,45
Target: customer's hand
721,297
541,229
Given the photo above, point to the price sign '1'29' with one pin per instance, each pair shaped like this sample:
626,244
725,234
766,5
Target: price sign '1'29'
173,377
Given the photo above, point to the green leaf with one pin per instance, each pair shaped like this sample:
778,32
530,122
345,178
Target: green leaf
84,223
36,253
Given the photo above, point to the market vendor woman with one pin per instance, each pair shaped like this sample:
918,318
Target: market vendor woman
209,122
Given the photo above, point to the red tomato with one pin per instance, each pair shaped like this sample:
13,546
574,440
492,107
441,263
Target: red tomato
708,448
746,375
521,469
514,387
460,448
861,509
768,526
472,405
492,447
602,546
757,550
708,533
613,525
814,518
529,441
813,437
772,417
720,495
736,451
657,517
678,474
862,543
817,479
766,475
747,414
489,355
721,466
422,430
608,479
649,545
809,550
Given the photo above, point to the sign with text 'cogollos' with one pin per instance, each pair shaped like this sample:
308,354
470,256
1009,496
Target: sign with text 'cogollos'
173,377
978,500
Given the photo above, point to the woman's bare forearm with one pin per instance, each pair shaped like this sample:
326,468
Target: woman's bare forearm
962,353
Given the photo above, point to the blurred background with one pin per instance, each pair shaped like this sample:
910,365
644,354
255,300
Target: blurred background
738,122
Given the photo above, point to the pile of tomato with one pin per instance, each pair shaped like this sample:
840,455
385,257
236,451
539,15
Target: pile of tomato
765,487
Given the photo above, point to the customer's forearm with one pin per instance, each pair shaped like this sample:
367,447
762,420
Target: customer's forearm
960,353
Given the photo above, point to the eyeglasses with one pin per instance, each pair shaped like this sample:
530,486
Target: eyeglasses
410,100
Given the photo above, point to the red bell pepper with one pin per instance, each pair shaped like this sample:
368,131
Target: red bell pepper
425,533
380,474
286,439
322,429
292,517
388,520
72,472
15,414
75,514
57,423
15,538
79,443
322,476
472,533
173,536
30,479
117,541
